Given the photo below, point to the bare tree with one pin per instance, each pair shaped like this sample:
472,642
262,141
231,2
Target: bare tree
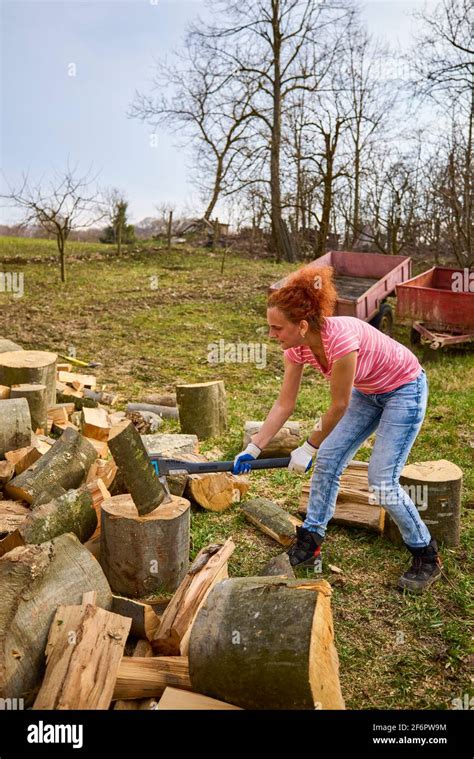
197,95
443,62
68,204
280,47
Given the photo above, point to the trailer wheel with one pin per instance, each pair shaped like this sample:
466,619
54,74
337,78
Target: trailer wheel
383,320
415,337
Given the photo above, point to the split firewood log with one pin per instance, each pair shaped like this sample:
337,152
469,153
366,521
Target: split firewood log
83,654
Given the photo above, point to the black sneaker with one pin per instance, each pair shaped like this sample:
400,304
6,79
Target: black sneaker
425,569
306,550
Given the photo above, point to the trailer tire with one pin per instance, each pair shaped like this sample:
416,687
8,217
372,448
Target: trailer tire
383,319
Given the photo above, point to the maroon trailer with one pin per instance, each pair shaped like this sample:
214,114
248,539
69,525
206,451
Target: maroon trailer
440,302
363,283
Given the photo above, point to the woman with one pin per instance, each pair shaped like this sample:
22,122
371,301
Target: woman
376,384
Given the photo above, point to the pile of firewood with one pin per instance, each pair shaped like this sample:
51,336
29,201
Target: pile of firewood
99,605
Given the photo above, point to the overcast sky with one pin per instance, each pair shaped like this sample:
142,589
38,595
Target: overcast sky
47,115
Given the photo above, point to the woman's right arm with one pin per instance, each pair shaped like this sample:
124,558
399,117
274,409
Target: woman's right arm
283,407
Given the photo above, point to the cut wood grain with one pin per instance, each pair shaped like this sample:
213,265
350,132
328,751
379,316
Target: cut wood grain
83,654
207,568
174,700
149,676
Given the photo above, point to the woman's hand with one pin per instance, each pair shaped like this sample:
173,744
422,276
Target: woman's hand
302,458
241,461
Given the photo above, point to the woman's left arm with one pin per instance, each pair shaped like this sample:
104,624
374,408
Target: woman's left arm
341,383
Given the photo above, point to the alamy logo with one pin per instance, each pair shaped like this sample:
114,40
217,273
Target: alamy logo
12,282
12,704
44,733
237,353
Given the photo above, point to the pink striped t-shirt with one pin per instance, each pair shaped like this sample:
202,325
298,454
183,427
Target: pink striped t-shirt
383,364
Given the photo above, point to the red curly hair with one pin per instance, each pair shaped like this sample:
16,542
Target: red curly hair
307,294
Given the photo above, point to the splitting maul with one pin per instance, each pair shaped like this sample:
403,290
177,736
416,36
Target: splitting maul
172,467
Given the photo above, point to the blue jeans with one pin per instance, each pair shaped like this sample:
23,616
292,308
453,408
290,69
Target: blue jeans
397,416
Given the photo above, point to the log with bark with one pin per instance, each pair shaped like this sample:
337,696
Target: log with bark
147,677
157,399
83,654
30,368
284,442
63,467
278,566
435,487
170,446
202,408
266,643
15,425
100,396
142,554
208,568
166,412
36,396
72,512
135,467
35,580
271,519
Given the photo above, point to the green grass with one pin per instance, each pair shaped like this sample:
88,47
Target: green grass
395,651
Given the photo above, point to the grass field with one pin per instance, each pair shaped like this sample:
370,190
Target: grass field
149,319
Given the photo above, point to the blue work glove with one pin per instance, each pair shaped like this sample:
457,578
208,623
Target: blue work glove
241,465
302,458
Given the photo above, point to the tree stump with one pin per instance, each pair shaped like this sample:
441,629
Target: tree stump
143,554
19,367
435,488
35,580
37,402
202,408
135,467
15,425
284,442
266,643
63,467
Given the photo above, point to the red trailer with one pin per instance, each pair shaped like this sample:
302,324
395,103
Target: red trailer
441,303
363,283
